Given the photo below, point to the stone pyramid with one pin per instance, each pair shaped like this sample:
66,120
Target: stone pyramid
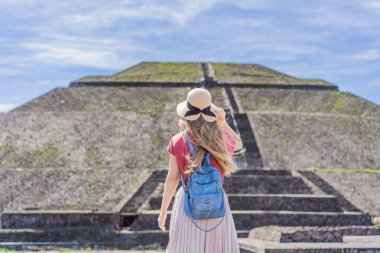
84,165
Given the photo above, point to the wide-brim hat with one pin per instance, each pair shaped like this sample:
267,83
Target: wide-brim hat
198,102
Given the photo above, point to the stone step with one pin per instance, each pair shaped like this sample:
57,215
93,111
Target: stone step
365,244
289,202
32,239
263,172
250,160
250,144
245,220
286,234
252,164
79,234
265,184
252,154
59,219
243,127
247,136
251,157
242,121
361,239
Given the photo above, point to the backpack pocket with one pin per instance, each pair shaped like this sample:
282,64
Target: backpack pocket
206,187
206,202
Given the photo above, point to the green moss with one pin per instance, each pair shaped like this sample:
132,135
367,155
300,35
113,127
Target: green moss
65,250
94,79
159,72
373,144
314,81
287,107
6,148
143,111
20,169
337,106
76,170
256,74
156,142
7,250
75,250
339,102
152,72
92,154
127,108
158,106
49,151
357,170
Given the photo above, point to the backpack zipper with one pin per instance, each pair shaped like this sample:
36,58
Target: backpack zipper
207,182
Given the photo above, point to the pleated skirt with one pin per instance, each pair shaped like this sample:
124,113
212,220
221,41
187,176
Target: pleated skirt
185,237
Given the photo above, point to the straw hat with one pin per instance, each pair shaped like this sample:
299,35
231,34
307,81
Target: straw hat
198,103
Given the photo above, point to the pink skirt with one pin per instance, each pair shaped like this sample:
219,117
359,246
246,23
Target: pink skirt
185,237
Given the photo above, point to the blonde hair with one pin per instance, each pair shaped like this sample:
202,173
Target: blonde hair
202,133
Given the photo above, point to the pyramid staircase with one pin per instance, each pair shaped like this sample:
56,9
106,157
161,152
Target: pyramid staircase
261,198
258,198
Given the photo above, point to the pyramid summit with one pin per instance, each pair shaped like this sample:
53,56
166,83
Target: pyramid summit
207,73
87,162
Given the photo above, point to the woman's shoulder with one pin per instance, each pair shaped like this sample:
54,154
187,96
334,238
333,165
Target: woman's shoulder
173,145
178,139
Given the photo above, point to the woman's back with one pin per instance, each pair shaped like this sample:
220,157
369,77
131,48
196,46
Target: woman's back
208,134
178,147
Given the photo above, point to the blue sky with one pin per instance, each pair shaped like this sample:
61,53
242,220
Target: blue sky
47,44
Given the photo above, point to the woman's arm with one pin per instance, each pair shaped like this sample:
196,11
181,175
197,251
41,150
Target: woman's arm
171,184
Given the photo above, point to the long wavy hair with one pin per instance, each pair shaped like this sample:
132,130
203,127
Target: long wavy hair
216,144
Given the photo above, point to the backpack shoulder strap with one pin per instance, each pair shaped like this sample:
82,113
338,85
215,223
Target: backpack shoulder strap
190,144
207,161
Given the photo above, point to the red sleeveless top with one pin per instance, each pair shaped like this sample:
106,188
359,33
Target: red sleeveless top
179,148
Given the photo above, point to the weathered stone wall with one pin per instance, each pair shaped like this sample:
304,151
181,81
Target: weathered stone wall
302,140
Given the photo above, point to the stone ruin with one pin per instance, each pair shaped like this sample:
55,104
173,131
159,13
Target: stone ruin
84,166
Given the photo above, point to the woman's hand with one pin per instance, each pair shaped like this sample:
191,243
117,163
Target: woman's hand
161,220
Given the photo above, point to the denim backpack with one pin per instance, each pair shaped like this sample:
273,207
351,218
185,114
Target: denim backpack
203,193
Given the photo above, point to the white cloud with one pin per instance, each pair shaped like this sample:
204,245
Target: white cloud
374,85
71,55
13,3
338,16
10,71
6,107
368,55
370,4
249,4
177,12
61,49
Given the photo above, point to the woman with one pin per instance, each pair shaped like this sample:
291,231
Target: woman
208,131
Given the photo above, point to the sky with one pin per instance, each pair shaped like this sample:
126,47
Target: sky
48,44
